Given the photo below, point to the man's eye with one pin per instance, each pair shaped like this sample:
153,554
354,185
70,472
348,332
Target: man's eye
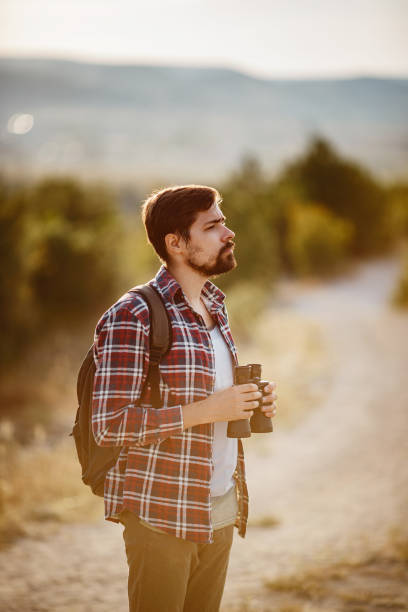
210,227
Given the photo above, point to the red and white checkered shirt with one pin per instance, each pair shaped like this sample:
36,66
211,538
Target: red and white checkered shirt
163,472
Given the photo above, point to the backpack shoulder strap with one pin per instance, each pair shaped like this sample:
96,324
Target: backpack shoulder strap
160,336
160,324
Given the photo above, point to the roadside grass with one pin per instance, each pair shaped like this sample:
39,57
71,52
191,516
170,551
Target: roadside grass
41,487
380,582
399,296
399,542
264,521
251,605
293,353
40,477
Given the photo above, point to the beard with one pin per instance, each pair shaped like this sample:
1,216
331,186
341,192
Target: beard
223,263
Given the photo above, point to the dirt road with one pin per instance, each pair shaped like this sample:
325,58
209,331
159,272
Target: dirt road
336,483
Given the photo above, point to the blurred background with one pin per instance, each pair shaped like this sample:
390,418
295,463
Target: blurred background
297,112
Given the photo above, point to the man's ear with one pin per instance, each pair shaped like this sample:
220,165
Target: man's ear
174,244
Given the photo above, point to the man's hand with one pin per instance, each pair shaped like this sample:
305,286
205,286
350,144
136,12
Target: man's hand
231,404
234,403
269,406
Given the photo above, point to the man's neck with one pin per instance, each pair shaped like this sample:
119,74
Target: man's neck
191,282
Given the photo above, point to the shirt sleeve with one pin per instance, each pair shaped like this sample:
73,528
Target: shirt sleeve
121,352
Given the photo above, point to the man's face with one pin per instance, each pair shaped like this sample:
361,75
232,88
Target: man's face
210,249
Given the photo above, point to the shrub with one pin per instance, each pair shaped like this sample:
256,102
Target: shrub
397,219
59,243
400,295
318,242
246,301
251,215
74,236
14,273
348,190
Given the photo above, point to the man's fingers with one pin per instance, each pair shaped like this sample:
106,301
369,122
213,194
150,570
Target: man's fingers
253,395
269,398
248,387
270,410
270,387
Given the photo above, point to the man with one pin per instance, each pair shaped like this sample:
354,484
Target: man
179,483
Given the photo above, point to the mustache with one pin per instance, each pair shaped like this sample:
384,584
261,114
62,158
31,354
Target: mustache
229,244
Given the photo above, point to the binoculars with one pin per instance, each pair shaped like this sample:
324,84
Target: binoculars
259,422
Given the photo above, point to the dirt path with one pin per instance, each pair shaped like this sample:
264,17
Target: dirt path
336,484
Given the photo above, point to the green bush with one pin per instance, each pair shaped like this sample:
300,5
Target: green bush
15,288
246,301
400,295
139,262
59,248
74,236
347,190
397,218
251,215
318,242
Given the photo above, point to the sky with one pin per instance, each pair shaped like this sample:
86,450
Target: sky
266,38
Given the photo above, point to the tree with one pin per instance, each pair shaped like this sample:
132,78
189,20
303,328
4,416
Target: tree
346,189
318,241
59,242
251,215
74,237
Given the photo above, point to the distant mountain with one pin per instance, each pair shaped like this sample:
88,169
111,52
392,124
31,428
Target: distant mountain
190,124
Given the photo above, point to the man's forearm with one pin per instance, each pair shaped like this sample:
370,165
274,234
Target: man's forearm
231,404
196,413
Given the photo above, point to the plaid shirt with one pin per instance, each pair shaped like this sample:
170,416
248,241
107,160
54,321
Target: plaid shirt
163,472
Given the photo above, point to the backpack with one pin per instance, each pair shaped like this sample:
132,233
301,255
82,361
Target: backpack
96,460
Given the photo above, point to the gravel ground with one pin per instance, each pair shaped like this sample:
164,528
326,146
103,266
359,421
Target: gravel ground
336,484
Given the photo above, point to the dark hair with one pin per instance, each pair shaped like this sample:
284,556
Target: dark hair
173,210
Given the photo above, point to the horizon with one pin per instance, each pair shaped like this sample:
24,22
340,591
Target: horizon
304,39
202,66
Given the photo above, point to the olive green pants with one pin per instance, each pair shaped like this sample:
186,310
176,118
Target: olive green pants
169,574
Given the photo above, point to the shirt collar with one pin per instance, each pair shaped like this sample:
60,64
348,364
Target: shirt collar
171,289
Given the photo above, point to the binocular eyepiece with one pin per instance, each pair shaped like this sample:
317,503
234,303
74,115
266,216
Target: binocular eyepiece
259,422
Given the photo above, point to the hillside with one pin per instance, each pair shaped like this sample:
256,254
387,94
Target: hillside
190,123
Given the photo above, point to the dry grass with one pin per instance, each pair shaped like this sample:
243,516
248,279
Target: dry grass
40,477
42,484
264,521
377,583
399,297
256,605
38,395
398,543
308,586
293,353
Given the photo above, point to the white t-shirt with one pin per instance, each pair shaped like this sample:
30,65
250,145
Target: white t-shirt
225,450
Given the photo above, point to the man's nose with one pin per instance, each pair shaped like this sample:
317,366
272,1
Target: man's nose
229,234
